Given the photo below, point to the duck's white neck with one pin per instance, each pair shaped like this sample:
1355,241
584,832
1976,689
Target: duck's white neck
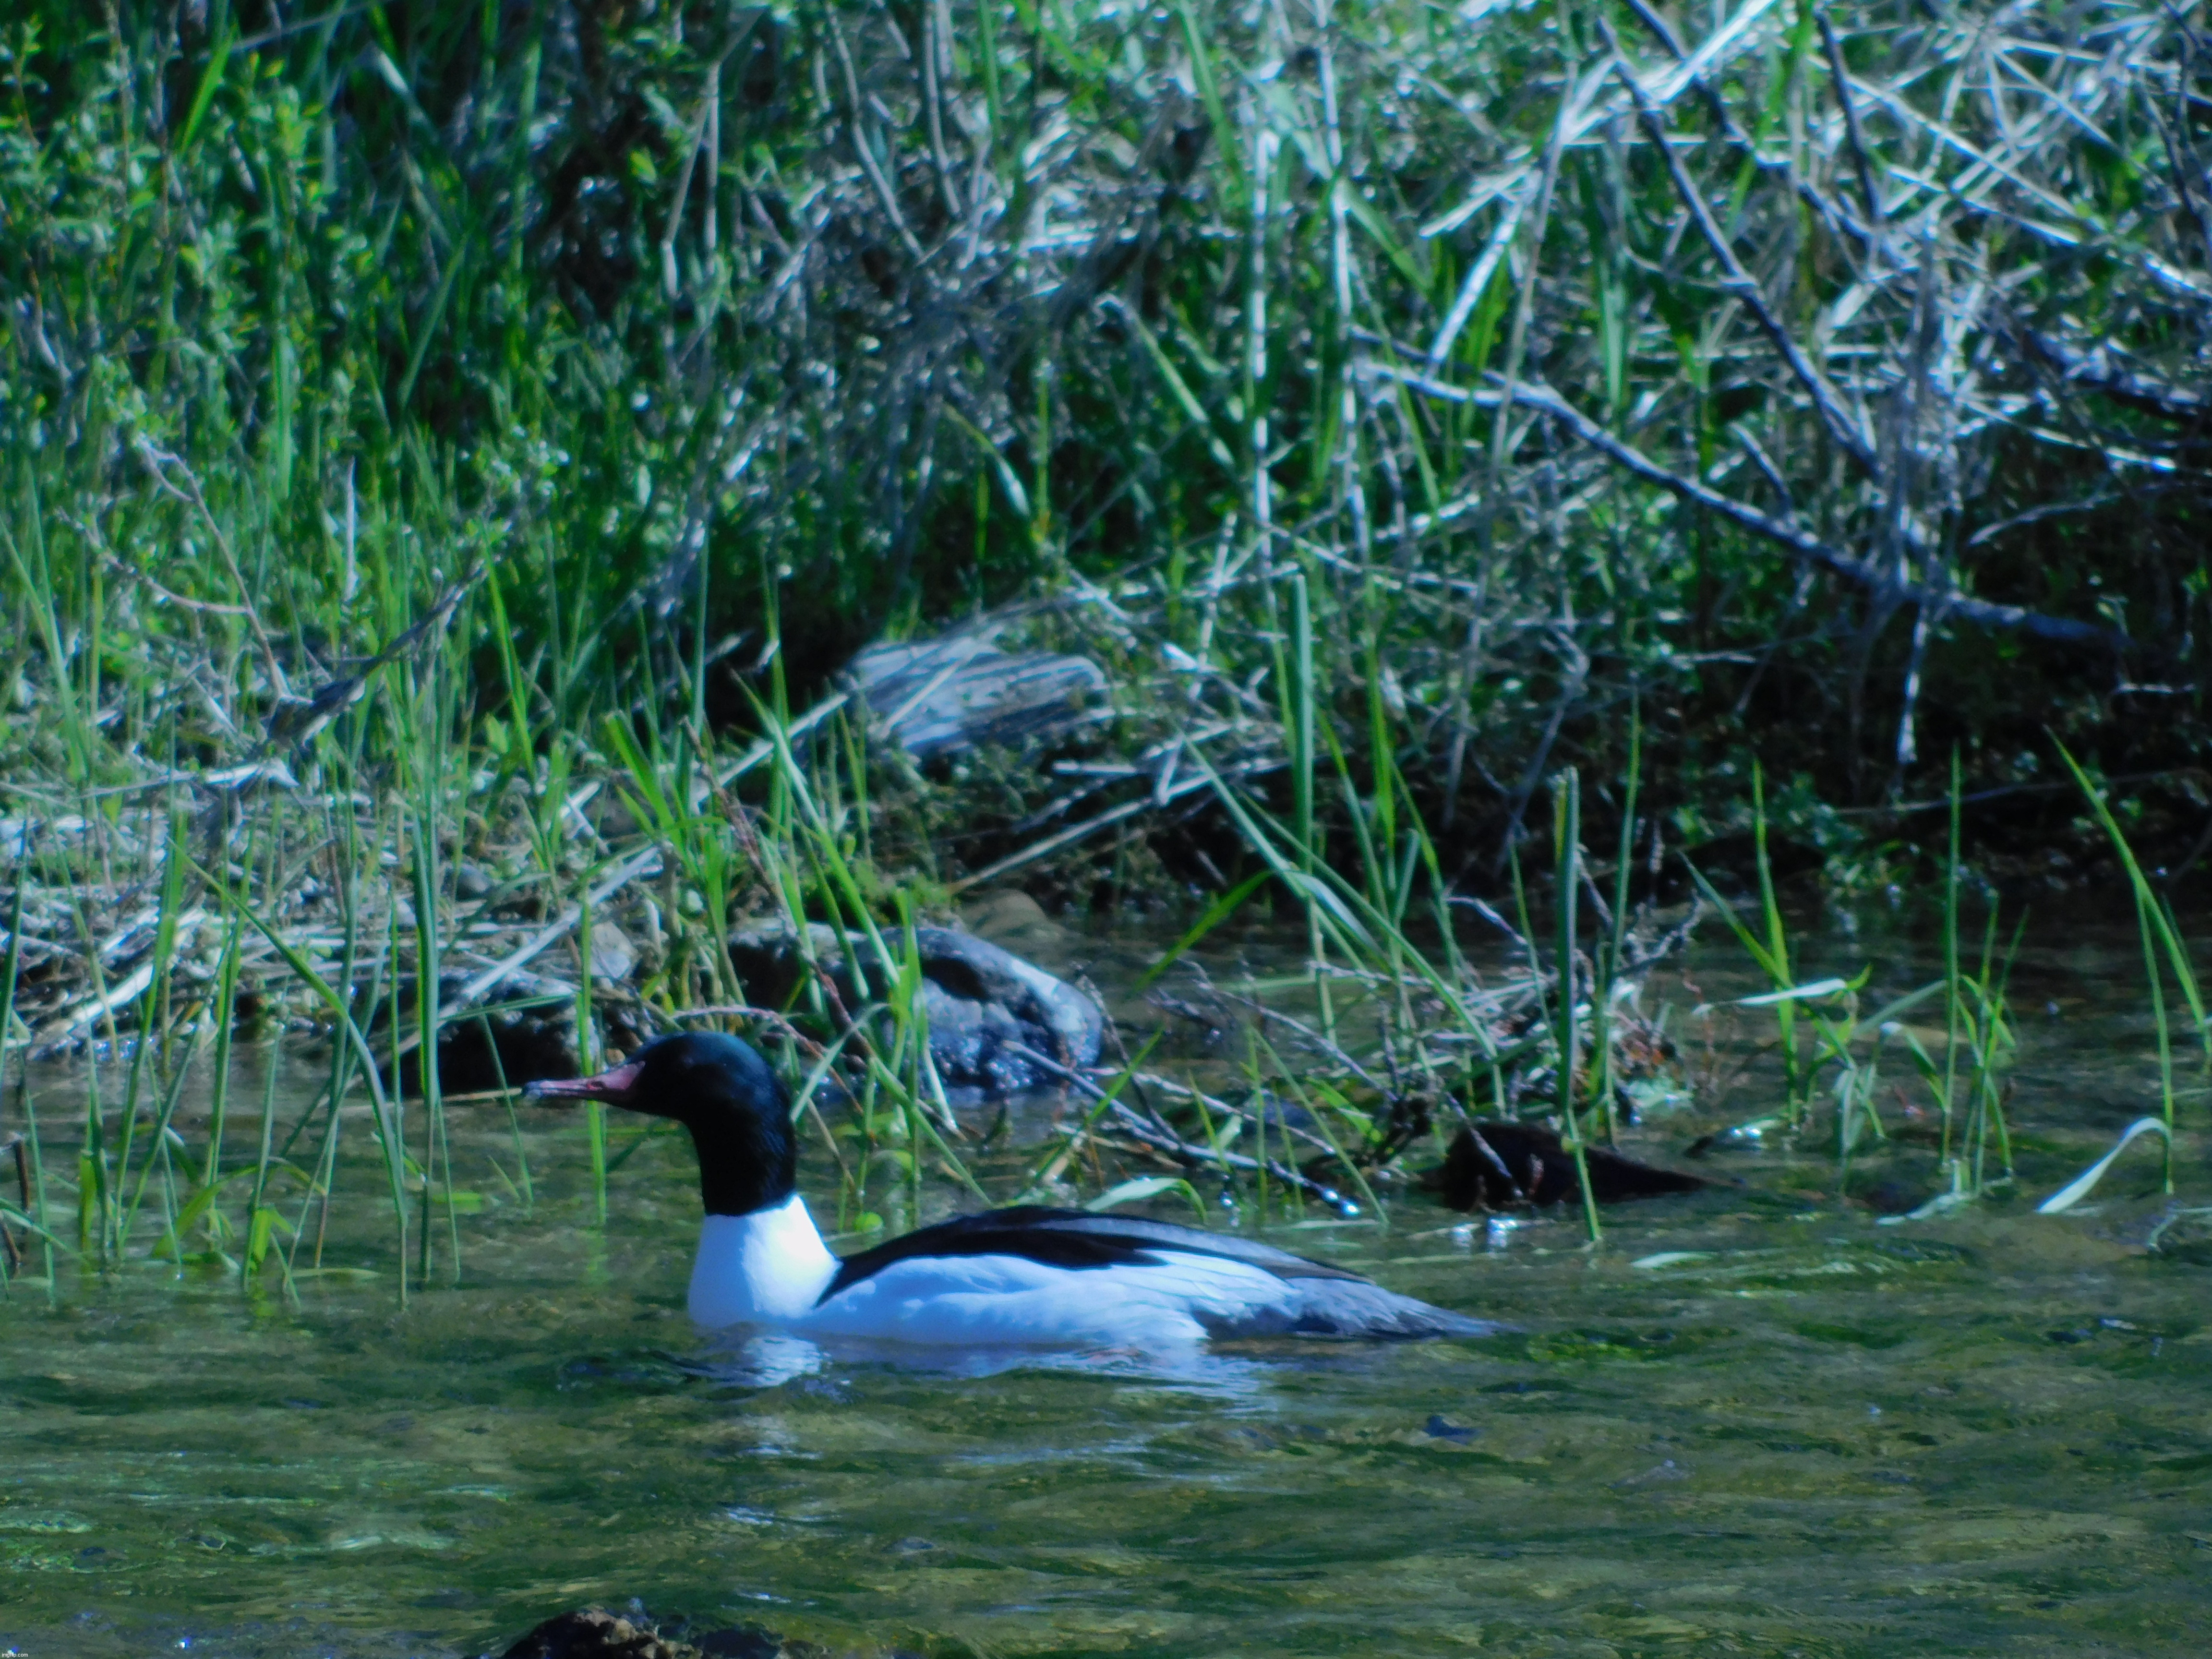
764,1268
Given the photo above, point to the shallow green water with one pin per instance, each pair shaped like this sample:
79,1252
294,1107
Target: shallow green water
1801,1432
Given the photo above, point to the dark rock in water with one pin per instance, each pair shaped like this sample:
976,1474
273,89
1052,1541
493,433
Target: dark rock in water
1730,862
984,1004
518,1029
595,1633
940,696
1495,1166
1010,919
522,1028
1892,1197
2176,1233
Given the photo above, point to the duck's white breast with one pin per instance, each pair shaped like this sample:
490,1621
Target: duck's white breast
765,1268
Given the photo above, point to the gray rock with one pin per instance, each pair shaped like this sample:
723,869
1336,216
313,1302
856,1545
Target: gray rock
1011,918
611,955
940,696
984,1004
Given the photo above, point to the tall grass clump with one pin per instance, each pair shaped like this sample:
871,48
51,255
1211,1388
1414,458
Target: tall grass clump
1822,1032
2164,953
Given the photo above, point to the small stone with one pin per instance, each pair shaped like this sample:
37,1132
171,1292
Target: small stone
1011,920
612,955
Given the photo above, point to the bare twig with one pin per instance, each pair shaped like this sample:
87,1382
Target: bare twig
1128,1122
1802,543
1834,48
1843,425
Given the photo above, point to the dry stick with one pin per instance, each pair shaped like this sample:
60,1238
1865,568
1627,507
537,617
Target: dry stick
2097,370
1735,135
1478,277
936,27
1804,545
297,720
156,459
1316,1038
1264,151
1660,26
168,596
1143,1080
1589,111
15,1144
1571,686
1852,137
2180,150
764,747
1738,285
1157,763
883,187
84,1012
722,460
1190,1153
645,863
671,286
1467,662
1961,192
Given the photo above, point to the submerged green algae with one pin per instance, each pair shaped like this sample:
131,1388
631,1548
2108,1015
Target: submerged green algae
1762,1419
1806,1433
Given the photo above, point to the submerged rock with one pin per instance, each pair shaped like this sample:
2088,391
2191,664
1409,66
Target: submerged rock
1496,1166
984,1004
595,1633
940,696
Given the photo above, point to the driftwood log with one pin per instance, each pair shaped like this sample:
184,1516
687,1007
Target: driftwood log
942,697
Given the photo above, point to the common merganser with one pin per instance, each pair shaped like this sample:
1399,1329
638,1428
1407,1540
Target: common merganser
1029,1276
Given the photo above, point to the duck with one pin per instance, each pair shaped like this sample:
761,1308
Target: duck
1026,1276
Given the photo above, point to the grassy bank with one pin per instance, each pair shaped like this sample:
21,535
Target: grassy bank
446,455
1823,380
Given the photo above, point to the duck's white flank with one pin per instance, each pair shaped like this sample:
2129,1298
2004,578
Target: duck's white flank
1001,1301
769,1269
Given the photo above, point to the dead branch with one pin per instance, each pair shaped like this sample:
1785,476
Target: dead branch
1946,602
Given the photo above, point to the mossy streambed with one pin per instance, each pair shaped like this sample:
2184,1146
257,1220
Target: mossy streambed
1758,1420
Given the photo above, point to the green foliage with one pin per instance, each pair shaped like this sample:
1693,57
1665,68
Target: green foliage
920,310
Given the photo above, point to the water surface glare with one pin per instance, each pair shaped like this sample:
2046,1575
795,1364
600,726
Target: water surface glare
1753,1423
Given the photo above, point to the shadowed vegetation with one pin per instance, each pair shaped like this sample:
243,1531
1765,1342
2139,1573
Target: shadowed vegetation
1828,378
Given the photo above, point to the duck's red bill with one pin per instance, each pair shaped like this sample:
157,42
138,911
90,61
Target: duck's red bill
615,1086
